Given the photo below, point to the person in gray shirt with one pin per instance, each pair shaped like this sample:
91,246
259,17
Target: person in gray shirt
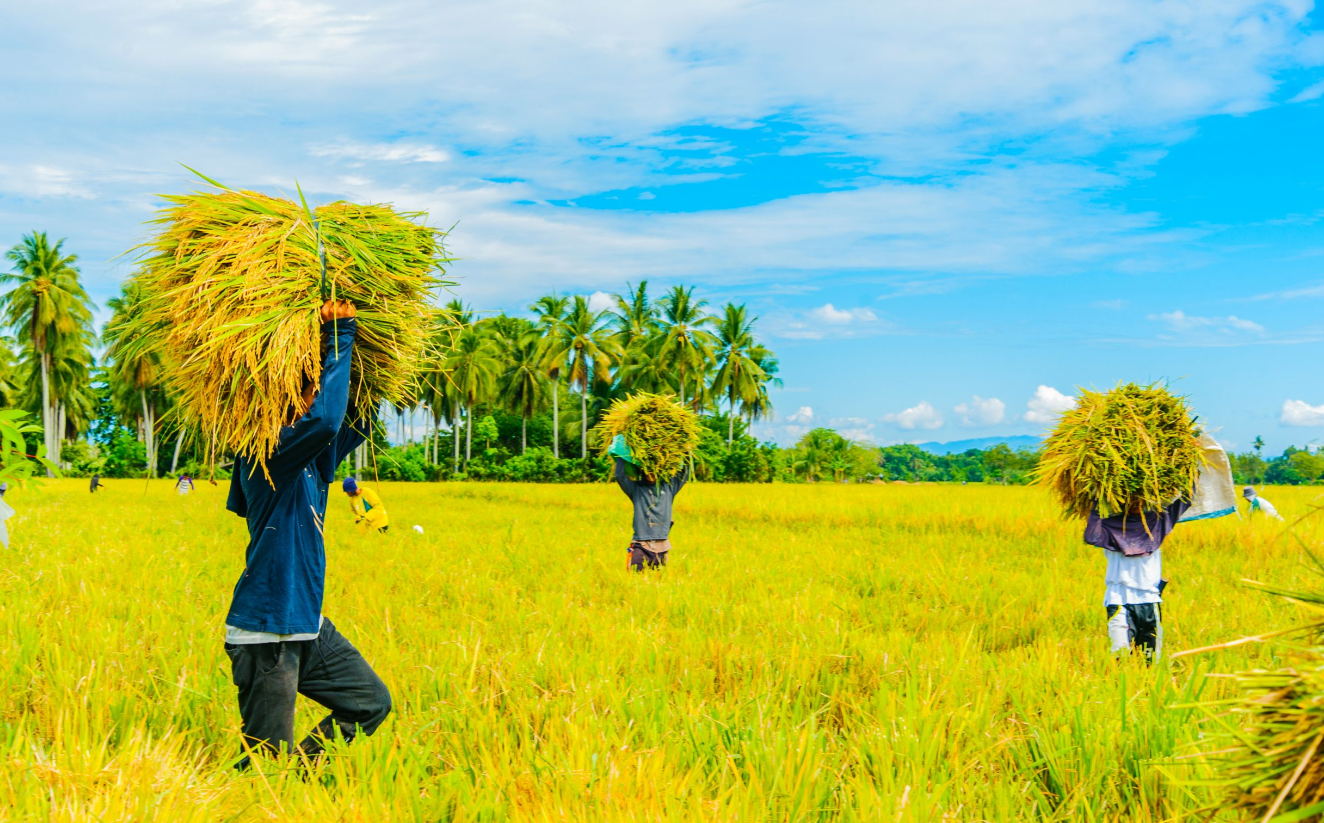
652,501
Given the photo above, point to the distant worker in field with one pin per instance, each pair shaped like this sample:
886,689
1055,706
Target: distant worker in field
279,643
652,501
96,483
369,513
653,439
1259,504
1133,463
185,484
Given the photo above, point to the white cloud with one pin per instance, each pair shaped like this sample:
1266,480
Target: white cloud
560,101
834,316
859,429
1110,305
922,416
981,411
1180,321
826,321
388,152
41,180
600,301
1311,92
1301,413
804,416
1046,405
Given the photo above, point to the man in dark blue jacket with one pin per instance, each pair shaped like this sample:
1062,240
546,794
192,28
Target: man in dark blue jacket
278,642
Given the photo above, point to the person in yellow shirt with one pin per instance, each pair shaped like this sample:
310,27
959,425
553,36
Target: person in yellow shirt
367,506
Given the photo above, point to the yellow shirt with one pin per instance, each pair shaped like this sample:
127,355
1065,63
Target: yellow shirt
368,509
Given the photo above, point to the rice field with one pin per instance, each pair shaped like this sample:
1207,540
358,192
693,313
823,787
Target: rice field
851,653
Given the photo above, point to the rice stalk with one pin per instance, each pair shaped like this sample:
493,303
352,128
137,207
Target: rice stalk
231,285
1134,448
661,434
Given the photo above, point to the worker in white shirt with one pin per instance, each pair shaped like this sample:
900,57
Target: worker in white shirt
1259,504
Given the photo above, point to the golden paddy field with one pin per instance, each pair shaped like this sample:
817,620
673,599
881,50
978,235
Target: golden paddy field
854,653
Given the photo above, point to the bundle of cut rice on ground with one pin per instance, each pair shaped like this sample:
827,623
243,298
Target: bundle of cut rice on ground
1270,757
231,288
661,435
1135,448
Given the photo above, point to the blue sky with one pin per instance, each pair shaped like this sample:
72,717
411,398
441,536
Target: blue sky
946,215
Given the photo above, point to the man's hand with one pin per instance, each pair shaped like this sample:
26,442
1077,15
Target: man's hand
337,310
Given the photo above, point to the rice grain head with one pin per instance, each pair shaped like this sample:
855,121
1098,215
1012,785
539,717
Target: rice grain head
1134,448
661,434
232,283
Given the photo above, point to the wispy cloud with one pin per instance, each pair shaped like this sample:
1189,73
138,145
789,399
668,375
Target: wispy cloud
387,152
1293,294
1182,322
981,411
826,321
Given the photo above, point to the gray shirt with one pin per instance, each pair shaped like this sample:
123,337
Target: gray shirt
652,502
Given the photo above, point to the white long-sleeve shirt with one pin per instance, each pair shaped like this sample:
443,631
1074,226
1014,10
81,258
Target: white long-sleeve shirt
1134,579
1258,503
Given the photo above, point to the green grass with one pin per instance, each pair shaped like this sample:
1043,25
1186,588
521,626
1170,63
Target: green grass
854,653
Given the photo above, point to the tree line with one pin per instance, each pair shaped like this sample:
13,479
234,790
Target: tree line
518,395
567,361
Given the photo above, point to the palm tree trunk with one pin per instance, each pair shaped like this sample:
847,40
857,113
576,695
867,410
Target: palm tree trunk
174,461
455,433
46,423
149,425
59,435
731,420
583,425
523,435
556,419
468,433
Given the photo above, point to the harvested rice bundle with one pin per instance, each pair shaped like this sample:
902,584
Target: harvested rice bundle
231,286
1270,757
661,434
1132,448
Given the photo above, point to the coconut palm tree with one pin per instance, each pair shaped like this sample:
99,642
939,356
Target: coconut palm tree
523,383
551,311
684,342
592,349
759,406
635,316
46,302
474,367
738,376
133,368
444,398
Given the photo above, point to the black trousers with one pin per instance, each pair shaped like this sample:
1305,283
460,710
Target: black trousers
328,670
1139,625
641,558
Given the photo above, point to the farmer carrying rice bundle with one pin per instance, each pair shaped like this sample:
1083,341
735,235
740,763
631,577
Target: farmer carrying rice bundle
281,331
1132,463
653,439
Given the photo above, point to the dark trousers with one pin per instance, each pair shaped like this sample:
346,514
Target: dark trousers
1139,625
328,670
641,558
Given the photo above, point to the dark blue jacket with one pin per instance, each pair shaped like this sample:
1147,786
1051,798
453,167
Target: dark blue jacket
280,590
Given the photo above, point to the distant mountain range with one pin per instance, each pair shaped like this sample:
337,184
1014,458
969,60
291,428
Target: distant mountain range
1015,443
